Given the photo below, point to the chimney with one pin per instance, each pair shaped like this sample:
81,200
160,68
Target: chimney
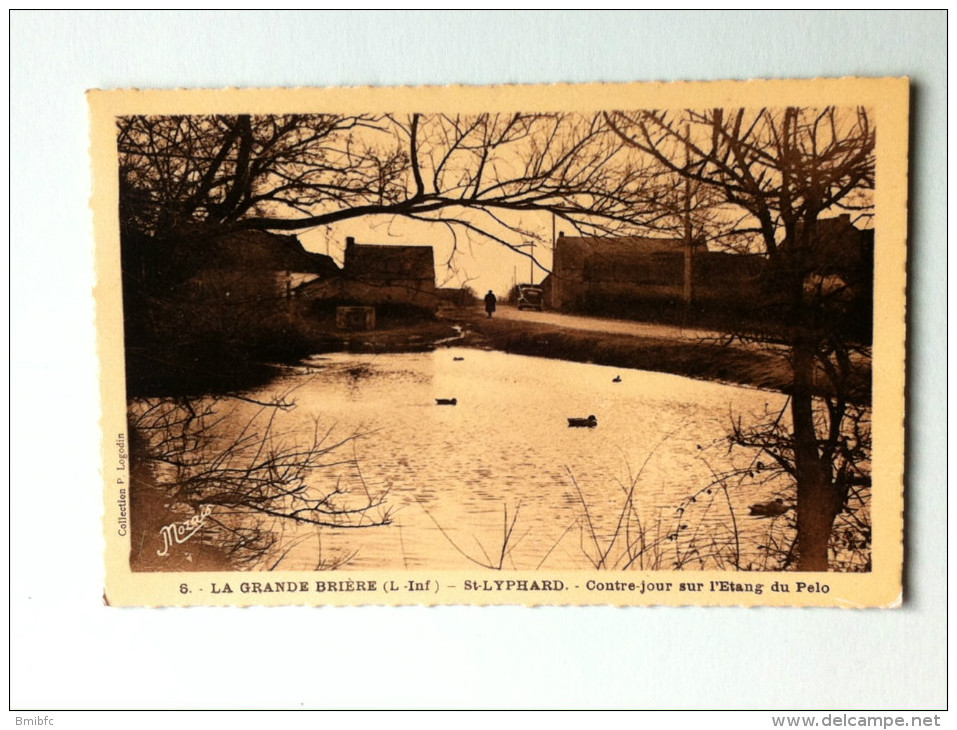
347,254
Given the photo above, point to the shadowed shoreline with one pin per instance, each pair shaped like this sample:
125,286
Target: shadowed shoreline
703,359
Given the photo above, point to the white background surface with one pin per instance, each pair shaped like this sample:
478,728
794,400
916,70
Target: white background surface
69,651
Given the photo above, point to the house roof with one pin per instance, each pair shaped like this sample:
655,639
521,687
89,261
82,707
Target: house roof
628,245
838,244
267,252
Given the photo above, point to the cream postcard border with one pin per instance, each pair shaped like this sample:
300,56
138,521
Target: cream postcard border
882,587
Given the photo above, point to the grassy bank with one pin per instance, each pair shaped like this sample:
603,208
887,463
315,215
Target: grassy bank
465,327
702,360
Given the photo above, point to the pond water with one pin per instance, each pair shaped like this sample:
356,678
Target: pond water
503,461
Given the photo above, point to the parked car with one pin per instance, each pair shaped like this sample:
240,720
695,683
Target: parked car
530,297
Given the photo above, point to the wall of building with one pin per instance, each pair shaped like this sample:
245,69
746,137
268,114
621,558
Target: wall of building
592,274
374,275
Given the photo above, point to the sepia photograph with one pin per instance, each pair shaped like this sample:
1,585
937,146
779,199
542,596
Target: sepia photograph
478,360
588,339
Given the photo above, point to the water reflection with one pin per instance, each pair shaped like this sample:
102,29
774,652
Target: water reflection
502,465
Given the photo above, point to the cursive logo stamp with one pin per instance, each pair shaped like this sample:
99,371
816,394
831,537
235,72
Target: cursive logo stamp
180,532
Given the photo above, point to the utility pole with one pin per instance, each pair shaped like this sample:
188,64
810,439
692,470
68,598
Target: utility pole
689,242
531,264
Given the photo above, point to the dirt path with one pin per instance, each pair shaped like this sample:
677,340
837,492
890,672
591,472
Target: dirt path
609,326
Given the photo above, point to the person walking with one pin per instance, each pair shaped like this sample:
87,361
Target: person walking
490,303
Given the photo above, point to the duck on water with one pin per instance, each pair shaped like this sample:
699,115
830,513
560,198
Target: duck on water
589,422
775,508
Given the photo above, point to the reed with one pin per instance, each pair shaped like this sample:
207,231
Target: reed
228,460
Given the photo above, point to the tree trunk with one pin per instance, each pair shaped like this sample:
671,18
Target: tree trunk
817,501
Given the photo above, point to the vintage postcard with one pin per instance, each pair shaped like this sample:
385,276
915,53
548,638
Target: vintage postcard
628,344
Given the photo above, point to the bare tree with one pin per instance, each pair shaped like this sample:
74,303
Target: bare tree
186,180
784,168
292,172
762,176
223,466
216,170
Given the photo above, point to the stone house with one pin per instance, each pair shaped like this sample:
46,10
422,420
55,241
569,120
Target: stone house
631,275
838,248
588,271
246,266
837,267
377,275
